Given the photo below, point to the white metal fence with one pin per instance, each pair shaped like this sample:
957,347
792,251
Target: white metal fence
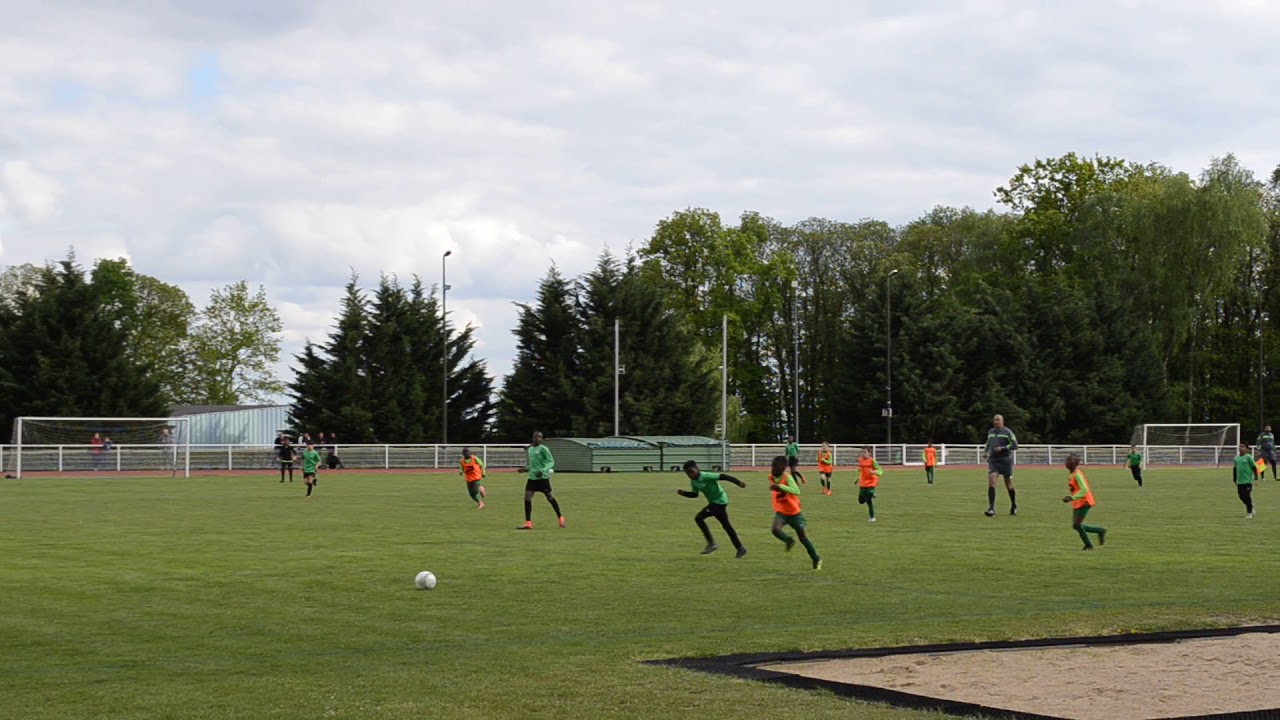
134,458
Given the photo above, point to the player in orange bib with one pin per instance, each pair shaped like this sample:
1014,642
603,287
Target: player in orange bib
826,466
868,479
930,461
1081,499
786,509
473,471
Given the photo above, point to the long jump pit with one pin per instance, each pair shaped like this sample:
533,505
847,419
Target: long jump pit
1220,674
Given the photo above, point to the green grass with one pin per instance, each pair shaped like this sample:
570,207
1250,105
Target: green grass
233,597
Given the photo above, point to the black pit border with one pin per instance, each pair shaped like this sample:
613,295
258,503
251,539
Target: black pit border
742,666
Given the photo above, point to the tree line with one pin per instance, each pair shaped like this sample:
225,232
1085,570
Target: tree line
1103,294
113,342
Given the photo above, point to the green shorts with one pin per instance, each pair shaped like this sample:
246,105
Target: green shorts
865,493
795,521
1077,514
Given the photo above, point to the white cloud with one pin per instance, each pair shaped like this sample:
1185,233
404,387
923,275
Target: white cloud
340,139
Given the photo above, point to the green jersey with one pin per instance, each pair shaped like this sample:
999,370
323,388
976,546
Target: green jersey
709,484
310,461
1134,458
541,464
793,450
1245,470
1266,442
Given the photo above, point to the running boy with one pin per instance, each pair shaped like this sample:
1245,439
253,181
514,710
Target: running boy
310,466
930,461
1081,499
793,458
1134,461
786,509
541,466
826,466
717,504
473,471
868,478
1243,472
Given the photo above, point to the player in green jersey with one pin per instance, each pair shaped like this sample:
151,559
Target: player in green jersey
1134,461
541,466
717,504
310,466
793,458
1267,449
1243,471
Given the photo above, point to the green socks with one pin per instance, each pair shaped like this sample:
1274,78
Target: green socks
871,507
813,551
1084,531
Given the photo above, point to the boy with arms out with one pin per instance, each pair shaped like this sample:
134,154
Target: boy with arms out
826,467
1081,499
1243,472
473,472
868,478
310,466
541,466
1134,461
930,461
786,509
717,504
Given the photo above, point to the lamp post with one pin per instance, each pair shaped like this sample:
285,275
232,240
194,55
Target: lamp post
888,360
444,347
795,369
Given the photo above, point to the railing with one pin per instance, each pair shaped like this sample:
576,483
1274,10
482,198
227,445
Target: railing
122,458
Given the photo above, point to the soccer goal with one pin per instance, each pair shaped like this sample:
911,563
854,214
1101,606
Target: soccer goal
106,445
1187,443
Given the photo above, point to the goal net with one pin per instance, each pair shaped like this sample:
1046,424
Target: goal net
100,445
1187,443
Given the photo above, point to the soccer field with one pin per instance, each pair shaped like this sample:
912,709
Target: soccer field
235,597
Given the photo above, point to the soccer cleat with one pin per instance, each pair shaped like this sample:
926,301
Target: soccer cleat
791,542
1102,537
817,564
561,522
1013,510
991,512
1249,516
741,551
528,525
480,505
871,519
709,549
482,492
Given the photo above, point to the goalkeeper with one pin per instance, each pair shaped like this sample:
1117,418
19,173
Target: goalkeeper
1266,447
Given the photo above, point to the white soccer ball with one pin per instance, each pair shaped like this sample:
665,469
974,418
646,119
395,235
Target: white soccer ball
425,581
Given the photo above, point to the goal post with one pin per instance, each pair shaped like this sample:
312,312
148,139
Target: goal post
100,444
1187,443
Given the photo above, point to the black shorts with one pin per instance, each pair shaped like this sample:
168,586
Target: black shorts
309,476
1270,457
719,512
793,462
286,463
542,486
1001,466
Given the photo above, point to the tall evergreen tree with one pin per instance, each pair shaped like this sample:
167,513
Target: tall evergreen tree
543,392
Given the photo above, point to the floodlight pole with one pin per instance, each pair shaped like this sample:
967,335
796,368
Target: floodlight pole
444,347
795,359
724,393
888,360
617,376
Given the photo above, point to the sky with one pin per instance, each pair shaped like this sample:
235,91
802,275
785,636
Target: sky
290,143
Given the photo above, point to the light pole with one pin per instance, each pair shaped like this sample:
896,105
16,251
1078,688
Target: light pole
795,369
618,370
444,347
888,360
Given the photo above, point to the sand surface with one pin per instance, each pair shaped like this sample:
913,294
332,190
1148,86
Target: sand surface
1119,682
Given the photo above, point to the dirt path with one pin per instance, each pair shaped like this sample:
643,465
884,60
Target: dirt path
1120,682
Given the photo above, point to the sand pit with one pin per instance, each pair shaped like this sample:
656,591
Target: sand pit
1110,682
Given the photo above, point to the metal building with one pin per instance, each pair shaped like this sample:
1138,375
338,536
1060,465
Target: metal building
234,424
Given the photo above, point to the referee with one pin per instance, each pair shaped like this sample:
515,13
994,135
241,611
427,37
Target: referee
1001,442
